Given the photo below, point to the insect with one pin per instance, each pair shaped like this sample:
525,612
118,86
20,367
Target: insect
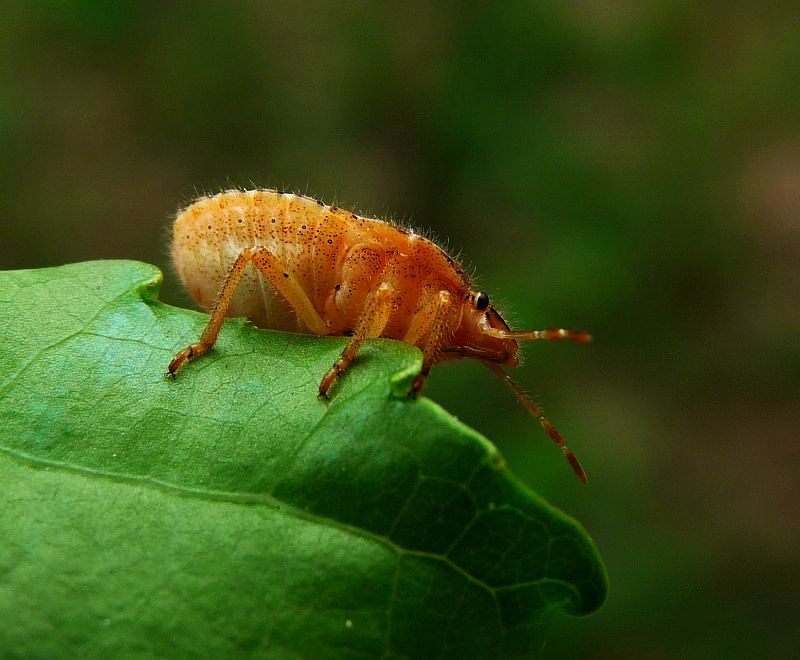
289,262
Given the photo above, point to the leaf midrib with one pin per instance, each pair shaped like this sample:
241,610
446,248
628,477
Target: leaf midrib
254,499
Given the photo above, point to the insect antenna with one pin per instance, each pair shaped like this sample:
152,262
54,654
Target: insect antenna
536,411
551,334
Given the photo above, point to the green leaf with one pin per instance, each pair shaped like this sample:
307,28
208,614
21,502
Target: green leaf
233,513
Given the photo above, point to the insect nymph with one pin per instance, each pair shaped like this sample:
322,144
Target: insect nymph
291,263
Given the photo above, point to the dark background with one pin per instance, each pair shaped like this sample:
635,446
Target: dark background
632,168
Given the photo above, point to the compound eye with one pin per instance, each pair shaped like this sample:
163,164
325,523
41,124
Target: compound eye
481,301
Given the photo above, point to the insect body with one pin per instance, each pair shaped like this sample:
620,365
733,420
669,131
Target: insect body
291,263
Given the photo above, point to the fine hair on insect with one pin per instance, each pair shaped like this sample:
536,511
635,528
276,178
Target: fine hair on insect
289,262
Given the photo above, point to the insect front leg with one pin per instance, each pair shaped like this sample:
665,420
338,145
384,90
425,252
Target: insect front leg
431,332
371,324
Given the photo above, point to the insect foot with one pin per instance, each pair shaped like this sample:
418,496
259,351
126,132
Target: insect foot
330,378
186,354
177,361
417,384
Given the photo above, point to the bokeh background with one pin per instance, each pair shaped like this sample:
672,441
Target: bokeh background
632,168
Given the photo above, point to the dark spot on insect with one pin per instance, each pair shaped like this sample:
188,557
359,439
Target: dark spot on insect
334,208
482,301
209,226
348,333
338,286
303,227
240,221
273,220
287,275
320,203
330,241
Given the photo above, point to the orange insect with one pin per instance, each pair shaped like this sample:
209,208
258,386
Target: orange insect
321,270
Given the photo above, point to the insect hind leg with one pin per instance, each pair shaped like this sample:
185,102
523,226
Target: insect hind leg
218,313
270,267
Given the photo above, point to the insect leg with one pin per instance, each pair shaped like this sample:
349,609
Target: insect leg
290,289
423,317
432,338
278,277
370,324
209,336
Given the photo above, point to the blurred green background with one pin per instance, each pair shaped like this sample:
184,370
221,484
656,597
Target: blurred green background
632,168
